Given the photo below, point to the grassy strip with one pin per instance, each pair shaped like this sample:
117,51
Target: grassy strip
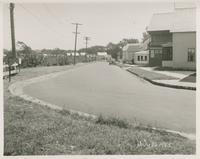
162,84
30,129
113,121
174,69
150,75
190,78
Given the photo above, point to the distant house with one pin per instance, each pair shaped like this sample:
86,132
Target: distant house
129,51
101,56
173,39
142,57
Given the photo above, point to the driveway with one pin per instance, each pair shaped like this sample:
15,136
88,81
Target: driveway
99,88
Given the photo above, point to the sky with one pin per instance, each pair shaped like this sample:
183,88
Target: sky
49,25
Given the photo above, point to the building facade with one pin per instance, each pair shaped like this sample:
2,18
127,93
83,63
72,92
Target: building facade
129,51
159,39
101,56
184,48
173,39
141,58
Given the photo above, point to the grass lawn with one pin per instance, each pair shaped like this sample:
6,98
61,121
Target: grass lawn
190,78
31,129
149,75
176,70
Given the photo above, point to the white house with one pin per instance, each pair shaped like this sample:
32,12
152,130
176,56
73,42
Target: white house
173,39
101,56
141,57
128,52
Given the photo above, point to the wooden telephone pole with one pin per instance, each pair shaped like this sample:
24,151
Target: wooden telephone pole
87,38
13,56
77,24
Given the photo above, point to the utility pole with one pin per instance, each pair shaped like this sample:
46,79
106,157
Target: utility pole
86,38
77,24
12,37
12,29
174,5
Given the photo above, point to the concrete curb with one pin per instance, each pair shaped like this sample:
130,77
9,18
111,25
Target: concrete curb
16,89
186,135
163,84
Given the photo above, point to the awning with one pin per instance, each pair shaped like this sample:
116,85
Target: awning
169,44
146,52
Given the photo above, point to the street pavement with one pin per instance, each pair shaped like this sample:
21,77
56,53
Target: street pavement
100,88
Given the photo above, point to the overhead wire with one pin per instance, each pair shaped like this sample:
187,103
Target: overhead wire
53,15
45,25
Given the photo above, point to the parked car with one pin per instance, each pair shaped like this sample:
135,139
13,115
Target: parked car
13,67
112,62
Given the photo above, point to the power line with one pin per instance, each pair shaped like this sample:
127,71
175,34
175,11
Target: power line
38,19
53,15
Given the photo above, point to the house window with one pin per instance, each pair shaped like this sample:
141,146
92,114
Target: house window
138,58
145,58
141,58
157,51
152,53
167,54
191,54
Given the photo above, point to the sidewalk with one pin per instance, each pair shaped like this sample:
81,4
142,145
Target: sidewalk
174,82
162,78
173,74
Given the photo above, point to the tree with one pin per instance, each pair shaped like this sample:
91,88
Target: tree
6,55
145,36
29,57
114,49
93,49
23,49
125,41
130,41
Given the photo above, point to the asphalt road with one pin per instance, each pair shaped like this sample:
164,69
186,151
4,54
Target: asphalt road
99,88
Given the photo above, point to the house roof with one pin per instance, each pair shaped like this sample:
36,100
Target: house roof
131,47
160,21
146,52
181,20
